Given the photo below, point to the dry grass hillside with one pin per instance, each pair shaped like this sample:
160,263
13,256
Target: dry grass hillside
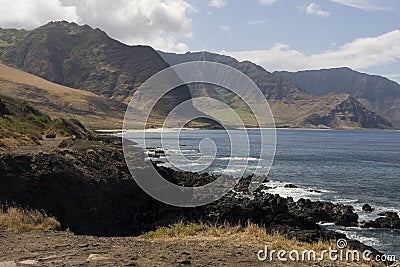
294,112
61,101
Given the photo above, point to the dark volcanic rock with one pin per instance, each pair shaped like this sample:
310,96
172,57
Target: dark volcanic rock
87,186
79,185
389,214
367,208
51,136
389,220
3,109
324,212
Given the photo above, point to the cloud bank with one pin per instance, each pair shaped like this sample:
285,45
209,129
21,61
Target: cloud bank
154,22
361,53
31,14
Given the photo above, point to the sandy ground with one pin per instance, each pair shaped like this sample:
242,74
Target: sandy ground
66,249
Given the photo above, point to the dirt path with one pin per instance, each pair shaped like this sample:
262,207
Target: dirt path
66,249
46,145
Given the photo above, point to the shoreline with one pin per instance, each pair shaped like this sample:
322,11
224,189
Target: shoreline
159,130
79,196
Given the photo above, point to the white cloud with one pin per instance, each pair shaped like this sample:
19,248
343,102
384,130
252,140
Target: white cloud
314,9
158,23
140,21
225,28
31,14
368,5
267,2
217,3
257,22
361,53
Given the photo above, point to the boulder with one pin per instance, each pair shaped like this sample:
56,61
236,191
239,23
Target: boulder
51,136
367,208
389,214
389,220
290,186
3,109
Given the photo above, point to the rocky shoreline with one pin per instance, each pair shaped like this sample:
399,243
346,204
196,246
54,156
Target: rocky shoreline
86,185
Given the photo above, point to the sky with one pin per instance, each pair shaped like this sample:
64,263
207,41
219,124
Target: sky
287,35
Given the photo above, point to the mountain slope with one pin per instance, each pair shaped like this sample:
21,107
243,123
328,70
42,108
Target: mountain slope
22,124
85,58
82,57
60,101
291,106
272,86
375,92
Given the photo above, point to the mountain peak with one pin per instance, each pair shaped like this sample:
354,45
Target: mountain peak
82,57
375,92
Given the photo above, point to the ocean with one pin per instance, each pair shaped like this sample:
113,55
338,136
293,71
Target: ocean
352,167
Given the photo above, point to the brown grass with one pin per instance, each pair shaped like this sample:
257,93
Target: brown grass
251,234
95,111
21,220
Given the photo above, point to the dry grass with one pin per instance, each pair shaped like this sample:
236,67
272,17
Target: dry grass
246,234
251,234
95,111
21,220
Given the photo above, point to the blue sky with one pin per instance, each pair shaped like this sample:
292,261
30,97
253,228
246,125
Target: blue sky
309,28
277,34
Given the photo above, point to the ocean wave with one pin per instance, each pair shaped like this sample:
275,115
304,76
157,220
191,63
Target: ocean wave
345,200
326,224
369,241
240,158
281,188
238,170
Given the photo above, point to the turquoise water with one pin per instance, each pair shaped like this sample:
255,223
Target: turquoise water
350,167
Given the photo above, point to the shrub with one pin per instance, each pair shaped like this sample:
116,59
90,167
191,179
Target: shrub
20,220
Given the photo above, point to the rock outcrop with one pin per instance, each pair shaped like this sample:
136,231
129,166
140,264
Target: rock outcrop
348,113
367,208
319,211
86,185
3,109
389,220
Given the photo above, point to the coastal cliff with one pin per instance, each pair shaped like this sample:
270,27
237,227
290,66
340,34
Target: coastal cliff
86,185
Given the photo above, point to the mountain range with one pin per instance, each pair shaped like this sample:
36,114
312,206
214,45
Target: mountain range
290,103
76,71
374,92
